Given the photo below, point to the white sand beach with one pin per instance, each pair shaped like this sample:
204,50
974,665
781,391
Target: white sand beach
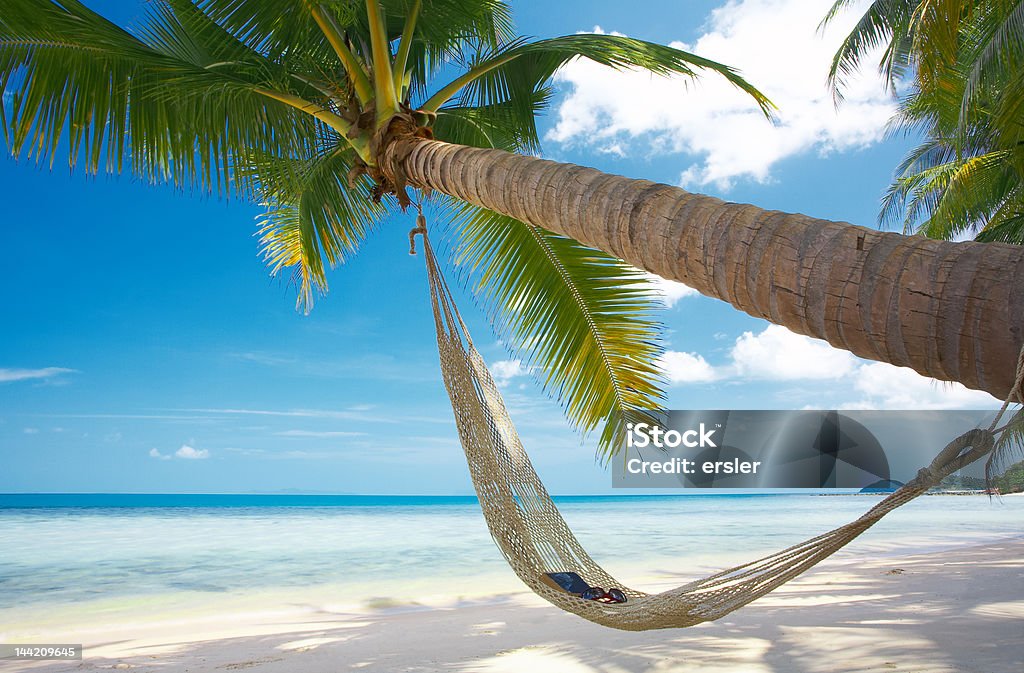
957,610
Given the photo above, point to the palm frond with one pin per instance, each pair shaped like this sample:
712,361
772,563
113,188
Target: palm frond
941,196
915,192
314,220
1007,225
505,126
581,320
277,28
976,187
159,101
448,31
935,35
968,174
515,70
885,22
1008,115
1008,449
998,47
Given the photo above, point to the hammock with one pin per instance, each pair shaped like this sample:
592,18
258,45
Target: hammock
535,539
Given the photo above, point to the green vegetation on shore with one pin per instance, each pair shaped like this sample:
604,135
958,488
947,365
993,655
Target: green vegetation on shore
1012,480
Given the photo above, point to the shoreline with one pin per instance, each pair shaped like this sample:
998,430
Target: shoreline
47,622
948,610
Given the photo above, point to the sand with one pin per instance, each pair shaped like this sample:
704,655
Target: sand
959,610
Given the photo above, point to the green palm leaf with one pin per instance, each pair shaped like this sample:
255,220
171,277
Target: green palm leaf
583,321
884,22
1009,448
1007,224
513,72
447,33
314,219
996,38
275,28
504,126
976,187
154,100
966,97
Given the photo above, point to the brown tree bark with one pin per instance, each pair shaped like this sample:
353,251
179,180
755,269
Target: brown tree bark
952,311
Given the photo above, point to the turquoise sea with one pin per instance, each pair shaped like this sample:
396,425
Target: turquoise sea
97,553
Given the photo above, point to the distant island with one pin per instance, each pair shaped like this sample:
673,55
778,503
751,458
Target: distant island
1010,481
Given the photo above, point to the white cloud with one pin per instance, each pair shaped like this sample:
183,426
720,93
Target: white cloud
777,354
353,413
669,291
318,434
189,453
153,453
504,371
31,431
774,354
777,47
682,367
782,355
11,375
886,386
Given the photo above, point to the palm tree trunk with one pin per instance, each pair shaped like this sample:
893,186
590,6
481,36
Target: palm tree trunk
952,311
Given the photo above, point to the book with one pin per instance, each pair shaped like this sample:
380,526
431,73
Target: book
566,581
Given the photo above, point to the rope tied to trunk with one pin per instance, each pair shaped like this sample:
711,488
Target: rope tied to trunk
420,228
962,451
1017,391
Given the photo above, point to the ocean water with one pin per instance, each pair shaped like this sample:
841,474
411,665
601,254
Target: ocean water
106,556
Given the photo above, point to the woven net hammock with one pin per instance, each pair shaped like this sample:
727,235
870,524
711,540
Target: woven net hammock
535,539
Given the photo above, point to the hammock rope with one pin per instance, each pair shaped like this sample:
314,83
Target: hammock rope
535,539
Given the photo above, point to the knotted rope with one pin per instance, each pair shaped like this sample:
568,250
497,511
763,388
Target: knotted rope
420,228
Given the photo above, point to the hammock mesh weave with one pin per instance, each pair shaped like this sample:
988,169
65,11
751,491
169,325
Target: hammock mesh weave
535,539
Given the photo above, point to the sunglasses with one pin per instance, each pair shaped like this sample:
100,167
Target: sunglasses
599,594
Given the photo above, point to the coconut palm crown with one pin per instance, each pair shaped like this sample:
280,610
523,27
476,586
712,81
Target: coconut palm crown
958,67
288,103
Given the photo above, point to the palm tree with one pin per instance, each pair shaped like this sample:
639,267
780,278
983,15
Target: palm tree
963,61
328,111
961,179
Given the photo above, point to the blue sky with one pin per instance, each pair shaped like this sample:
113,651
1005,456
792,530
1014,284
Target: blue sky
146,349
